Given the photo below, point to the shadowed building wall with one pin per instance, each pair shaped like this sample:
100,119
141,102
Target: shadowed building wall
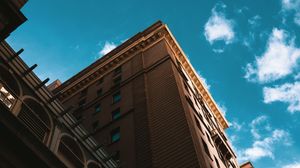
147,104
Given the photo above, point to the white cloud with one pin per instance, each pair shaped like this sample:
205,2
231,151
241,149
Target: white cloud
256,122
292,165
235,125
264,143
218,50
287,93
278,61
265,147
108,46
290,4
254,21
218,27
294,6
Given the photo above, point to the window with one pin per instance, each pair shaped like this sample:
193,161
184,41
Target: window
116,114
83,92
209,139
100,81
198,124
97,109
115,135
95,125
6,97
117,81
217,162
118,70
99,92
116,156
116,97
206,148
81,103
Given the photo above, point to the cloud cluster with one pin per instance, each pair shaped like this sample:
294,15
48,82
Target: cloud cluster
292,165
278,61
218,27
287,93
292,6
264,143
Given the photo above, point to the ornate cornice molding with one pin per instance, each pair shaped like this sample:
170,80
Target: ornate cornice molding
136,46
195,78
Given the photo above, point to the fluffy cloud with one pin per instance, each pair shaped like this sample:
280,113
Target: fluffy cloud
108,46
294,6
293,165
218,27
287,93
265,147
235,125
278,61
264,143
256,122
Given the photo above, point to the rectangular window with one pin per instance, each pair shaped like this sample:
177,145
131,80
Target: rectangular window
198,124
116,97
217,162
95,125
83,92
206,148
100,81
209,139
99,92
97,109
115,135
81,103
117,81
118,70
116,114
116,156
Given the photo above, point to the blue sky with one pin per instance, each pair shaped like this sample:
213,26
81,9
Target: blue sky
247,51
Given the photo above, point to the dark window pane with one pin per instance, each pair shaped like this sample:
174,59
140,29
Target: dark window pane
116,97
115,135
117,81
116,114
99,92
118,70
97,108
81,102
100,81
83,92
95,125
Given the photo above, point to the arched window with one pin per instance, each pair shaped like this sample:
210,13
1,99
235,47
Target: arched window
36,119
70,152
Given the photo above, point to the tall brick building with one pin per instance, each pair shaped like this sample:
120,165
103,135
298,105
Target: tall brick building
145,102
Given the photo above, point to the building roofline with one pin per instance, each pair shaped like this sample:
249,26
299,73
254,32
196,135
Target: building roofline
109,55
138,41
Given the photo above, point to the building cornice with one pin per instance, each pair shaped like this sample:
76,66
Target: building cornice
182,58
134,45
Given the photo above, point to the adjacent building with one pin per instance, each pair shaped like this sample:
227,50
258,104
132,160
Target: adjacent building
145,102
36,131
